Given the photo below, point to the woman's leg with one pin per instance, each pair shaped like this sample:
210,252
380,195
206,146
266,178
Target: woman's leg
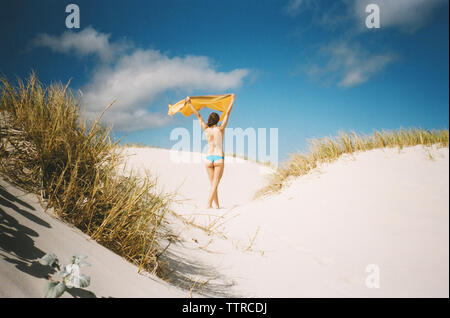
218,172
210,170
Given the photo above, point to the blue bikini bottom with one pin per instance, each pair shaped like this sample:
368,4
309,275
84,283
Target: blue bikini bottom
213,158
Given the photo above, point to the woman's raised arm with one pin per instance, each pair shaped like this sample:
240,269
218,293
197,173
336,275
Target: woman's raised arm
227,115
202,123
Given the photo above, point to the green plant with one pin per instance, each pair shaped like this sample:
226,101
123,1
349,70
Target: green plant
67,276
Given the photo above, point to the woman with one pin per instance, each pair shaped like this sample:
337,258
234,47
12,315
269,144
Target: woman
215,157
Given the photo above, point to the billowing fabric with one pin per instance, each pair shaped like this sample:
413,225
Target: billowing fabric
215,102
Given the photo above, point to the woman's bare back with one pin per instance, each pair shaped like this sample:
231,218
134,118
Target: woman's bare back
214,137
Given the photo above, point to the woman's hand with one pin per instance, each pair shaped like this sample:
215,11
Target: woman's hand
195,111
188,101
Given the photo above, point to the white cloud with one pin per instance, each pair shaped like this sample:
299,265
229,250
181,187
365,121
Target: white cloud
132,120
408,15
136,77
348,65
346,62
82,43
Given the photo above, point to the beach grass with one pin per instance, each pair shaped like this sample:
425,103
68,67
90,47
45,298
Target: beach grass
328,149
47,148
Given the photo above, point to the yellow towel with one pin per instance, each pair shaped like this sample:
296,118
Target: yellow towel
215,102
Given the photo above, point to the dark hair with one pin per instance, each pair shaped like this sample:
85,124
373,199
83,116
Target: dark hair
213,119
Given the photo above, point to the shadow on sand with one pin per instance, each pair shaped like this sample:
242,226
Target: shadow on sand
17,245
16,240
192,276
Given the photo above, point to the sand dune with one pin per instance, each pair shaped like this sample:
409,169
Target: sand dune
317,238
386,208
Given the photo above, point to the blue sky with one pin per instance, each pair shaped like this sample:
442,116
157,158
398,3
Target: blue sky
308,68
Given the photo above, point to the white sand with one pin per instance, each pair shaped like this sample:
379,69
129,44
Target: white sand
316,238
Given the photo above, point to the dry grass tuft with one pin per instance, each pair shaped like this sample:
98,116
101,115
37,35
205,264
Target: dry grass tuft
329,149
46,148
